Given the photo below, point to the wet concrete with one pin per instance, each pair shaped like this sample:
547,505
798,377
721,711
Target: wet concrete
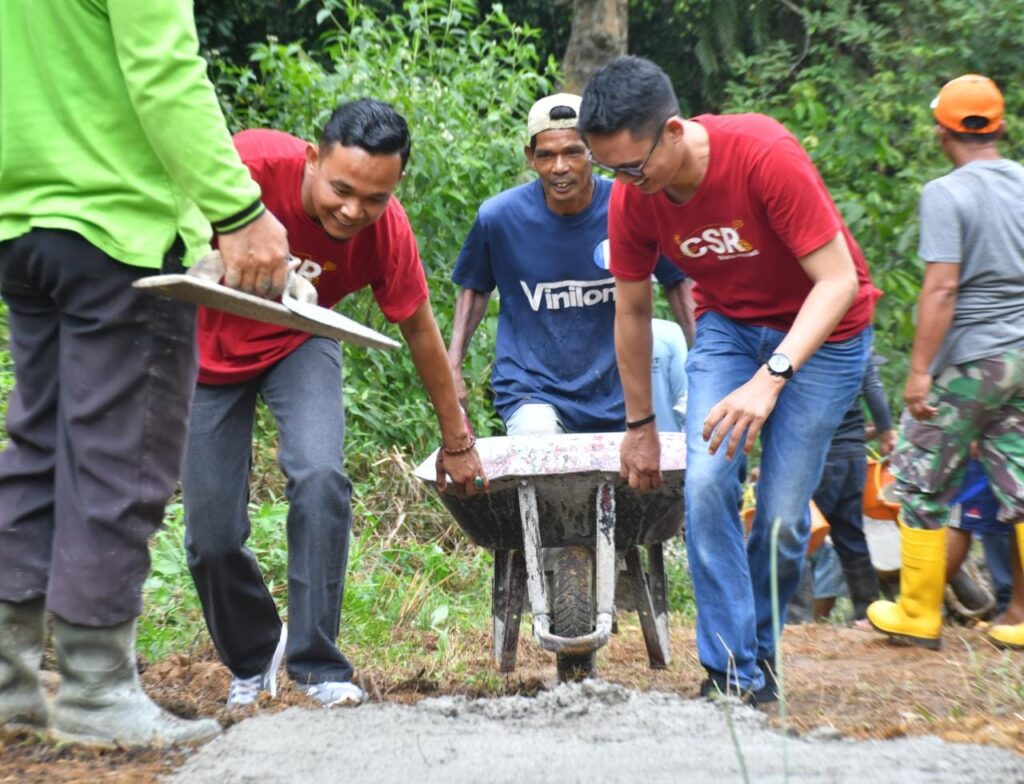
591,732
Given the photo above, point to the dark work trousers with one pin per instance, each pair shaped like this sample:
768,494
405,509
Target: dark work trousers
303,391
96,424
840,498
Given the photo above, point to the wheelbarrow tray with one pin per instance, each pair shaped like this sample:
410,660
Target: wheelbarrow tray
563,495
565,470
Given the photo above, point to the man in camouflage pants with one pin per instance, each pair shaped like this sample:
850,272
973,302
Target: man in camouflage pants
966,379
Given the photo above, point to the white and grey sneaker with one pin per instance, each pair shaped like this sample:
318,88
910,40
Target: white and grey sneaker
245,691
330,693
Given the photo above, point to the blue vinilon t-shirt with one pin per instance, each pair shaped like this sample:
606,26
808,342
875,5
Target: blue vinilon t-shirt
555,339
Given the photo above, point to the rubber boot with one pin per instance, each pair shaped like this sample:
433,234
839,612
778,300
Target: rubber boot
969,597
862,580
101,701
917,615
1006,635
22,628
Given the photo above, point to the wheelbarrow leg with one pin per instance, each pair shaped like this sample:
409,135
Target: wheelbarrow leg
657,643
659,594
507,606
536,585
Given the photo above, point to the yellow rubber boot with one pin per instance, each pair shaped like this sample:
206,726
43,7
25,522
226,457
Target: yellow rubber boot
1005,635
917,616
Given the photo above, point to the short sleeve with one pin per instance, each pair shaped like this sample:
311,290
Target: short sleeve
797,204
940,225
634,251
473,267
403,287
667,273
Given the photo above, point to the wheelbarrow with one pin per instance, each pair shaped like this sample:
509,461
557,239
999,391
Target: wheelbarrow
557,506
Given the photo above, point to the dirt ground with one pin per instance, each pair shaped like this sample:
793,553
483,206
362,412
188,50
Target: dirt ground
854,681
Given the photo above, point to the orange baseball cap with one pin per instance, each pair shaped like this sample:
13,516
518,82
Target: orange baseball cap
969,104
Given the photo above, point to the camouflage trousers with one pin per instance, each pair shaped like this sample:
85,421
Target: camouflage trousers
979,401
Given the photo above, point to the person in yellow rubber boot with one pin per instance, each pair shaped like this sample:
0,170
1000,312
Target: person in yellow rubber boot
966,377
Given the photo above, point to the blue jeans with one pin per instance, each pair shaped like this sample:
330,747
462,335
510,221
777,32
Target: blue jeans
840,497
303,391
827,573
732,578
997,560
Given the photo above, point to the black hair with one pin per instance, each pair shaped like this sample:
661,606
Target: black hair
975,121
630,93
559,112
371,125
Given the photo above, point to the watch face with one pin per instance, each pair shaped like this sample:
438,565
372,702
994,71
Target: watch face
779,363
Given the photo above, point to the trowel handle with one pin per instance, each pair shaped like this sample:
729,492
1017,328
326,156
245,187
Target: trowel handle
210,267
297,287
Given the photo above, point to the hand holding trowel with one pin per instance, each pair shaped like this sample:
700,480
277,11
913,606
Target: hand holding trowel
296,310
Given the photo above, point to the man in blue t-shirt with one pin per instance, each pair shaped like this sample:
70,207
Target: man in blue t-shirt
668,376
544,246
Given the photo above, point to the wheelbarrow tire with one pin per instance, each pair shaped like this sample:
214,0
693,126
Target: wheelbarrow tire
574,609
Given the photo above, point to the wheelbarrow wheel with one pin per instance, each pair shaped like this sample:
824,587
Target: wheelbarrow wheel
573,609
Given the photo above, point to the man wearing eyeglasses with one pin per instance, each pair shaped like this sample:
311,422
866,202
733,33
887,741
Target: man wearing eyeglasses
544,246
784,303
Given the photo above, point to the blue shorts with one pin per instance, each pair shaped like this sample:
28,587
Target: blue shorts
975,507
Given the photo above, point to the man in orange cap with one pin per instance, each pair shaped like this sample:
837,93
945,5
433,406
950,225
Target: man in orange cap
966,377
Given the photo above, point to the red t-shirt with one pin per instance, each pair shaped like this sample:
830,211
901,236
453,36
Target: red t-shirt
761,206
383,256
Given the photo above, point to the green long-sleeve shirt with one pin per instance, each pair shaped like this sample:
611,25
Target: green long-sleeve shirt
109,127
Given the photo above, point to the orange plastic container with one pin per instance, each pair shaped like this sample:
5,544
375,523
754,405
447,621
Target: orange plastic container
875,503
819,526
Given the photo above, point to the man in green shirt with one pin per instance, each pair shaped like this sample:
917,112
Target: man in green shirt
114,162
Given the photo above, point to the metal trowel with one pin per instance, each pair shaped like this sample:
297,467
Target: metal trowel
296,310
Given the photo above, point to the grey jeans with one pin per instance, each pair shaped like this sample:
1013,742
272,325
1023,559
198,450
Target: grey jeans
303,391
96,424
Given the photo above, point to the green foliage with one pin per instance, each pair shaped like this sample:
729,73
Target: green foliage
859,103
173,618
399,577
228,26
6,372
851,79
464,81
680,584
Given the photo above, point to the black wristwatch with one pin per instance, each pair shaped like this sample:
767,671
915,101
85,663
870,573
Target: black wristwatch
779,365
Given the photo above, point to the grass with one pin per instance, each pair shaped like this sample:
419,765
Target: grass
410,569
6,372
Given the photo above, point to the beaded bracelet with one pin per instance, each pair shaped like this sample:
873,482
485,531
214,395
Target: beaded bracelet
461,450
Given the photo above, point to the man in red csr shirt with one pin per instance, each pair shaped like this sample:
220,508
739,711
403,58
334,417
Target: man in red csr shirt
348,231
784,303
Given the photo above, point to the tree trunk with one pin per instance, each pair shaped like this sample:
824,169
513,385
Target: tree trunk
599,34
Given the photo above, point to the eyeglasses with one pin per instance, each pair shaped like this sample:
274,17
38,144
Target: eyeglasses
632,171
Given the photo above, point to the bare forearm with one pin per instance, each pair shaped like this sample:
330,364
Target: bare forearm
823,309
633,343
431,362
470,308
834,274
935,309
681,302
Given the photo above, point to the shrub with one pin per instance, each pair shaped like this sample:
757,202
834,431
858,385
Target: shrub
859,102
464,82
